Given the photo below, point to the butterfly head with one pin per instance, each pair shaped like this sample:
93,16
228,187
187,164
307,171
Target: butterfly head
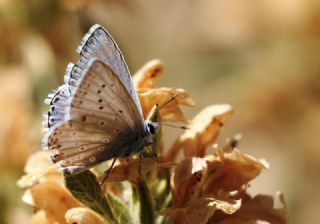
152,128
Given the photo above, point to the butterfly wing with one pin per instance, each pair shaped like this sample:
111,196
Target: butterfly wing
98,119
98,43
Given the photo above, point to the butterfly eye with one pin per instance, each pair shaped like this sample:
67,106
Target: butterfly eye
151,128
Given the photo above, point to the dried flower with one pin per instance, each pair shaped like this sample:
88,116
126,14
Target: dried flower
198,188
203,131
147,76
171,112
83,216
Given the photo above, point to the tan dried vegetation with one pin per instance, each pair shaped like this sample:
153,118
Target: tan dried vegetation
204,188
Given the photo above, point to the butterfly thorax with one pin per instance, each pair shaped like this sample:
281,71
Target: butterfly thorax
136,144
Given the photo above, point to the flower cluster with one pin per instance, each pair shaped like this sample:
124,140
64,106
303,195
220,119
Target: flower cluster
186,185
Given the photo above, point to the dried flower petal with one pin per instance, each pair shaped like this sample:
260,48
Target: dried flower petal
37,161
229,171
83,216
188,180
254,209
171,111
200,210
203,130
49,174
27,197
196,211
146,76
130,171
39,169
40,218
226,207
54,200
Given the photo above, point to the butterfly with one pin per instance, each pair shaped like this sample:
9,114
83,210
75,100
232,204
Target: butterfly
96,114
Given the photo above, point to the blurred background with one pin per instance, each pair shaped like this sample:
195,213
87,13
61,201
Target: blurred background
262,57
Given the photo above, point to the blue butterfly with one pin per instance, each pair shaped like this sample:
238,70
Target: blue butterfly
96,114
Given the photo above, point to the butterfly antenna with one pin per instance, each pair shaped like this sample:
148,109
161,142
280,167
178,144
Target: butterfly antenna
176,126
169,101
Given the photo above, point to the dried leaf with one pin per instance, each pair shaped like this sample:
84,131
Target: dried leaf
83,216
203,131
148,74
54,200
229,171
171,111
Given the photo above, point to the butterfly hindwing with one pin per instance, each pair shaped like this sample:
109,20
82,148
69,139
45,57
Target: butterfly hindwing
80,145
57,102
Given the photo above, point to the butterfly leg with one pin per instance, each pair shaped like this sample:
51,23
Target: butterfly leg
155,155
140,161
107,172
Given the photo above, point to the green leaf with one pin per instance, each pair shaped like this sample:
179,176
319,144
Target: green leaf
119,209
141,199
161,219
161,192
86,189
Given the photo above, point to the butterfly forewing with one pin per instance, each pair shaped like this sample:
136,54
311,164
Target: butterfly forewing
101,93
99,121
98,43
